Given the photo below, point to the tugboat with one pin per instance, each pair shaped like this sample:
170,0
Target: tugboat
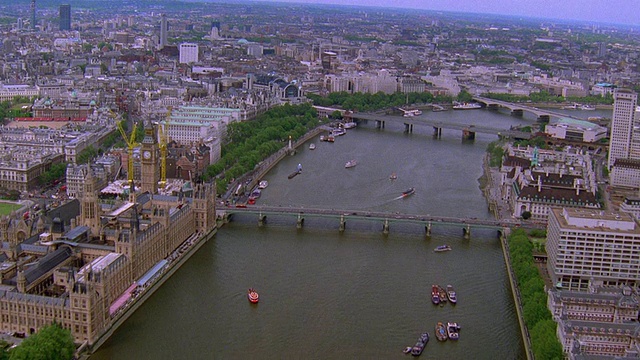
435,294
451,294
417,349
253,296
441,332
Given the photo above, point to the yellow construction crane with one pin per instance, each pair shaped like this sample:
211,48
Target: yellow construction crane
131,144
162,132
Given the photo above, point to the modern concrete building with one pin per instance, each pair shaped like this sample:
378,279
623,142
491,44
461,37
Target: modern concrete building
592,248
65,17
575,130
163,41
624,140
188,53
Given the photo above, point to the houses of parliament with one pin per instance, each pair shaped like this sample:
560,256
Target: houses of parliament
83,263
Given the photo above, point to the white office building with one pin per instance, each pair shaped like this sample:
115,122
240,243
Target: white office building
188,53
625,127
592,248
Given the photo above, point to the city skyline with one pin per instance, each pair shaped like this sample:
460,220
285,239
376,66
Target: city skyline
615,11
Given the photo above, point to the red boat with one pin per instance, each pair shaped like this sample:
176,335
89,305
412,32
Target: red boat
253,296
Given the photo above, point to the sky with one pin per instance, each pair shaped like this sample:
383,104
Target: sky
605,11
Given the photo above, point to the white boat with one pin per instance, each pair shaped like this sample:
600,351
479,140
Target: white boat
263,184
312,146
587,107
411,112
573,106
467,106
350,164
350,125
338,132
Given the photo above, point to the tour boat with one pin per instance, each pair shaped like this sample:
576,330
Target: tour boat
435,294
417,349
253,296
451,294
442,248
350,164
467,106
441,332
408,192
453,330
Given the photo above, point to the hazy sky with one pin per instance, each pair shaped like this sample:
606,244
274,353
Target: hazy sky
614,11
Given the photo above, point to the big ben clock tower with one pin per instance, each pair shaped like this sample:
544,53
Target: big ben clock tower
149,161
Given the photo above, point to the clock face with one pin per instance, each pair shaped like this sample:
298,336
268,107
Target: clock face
147,154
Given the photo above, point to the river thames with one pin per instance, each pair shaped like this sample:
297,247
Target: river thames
352,295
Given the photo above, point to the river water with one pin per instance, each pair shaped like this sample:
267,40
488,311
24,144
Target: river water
352,295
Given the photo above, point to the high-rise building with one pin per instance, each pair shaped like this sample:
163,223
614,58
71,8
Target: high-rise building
65,17
20,24
33,14
188,53
622,123
624,143
163,31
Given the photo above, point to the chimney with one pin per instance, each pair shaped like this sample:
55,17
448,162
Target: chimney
539,184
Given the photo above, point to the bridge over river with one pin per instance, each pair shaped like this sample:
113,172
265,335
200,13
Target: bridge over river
342,216
468,131
518,109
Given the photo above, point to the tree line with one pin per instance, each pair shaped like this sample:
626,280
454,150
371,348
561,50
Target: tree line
372,102
537,317
248,143
546,97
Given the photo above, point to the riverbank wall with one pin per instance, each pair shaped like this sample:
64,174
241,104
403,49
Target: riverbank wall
144,296
491,192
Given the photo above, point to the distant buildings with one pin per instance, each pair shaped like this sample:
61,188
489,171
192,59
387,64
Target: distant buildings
188,53
624,148
65,17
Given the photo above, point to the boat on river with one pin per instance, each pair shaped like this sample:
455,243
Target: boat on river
451,294
350,164
393,176
435,294
442,248
587,107
453,330
467,106
263,184
443,294
253,296
350,125
409,191
312,146
417,349
441,332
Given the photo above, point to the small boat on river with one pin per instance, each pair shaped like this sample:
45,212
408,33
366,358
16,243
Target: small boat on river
312,146
350,164
253,296
451,294
453,331
443,294
417,349
442,248
393,176
435,294
409,191
263,184
441,332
